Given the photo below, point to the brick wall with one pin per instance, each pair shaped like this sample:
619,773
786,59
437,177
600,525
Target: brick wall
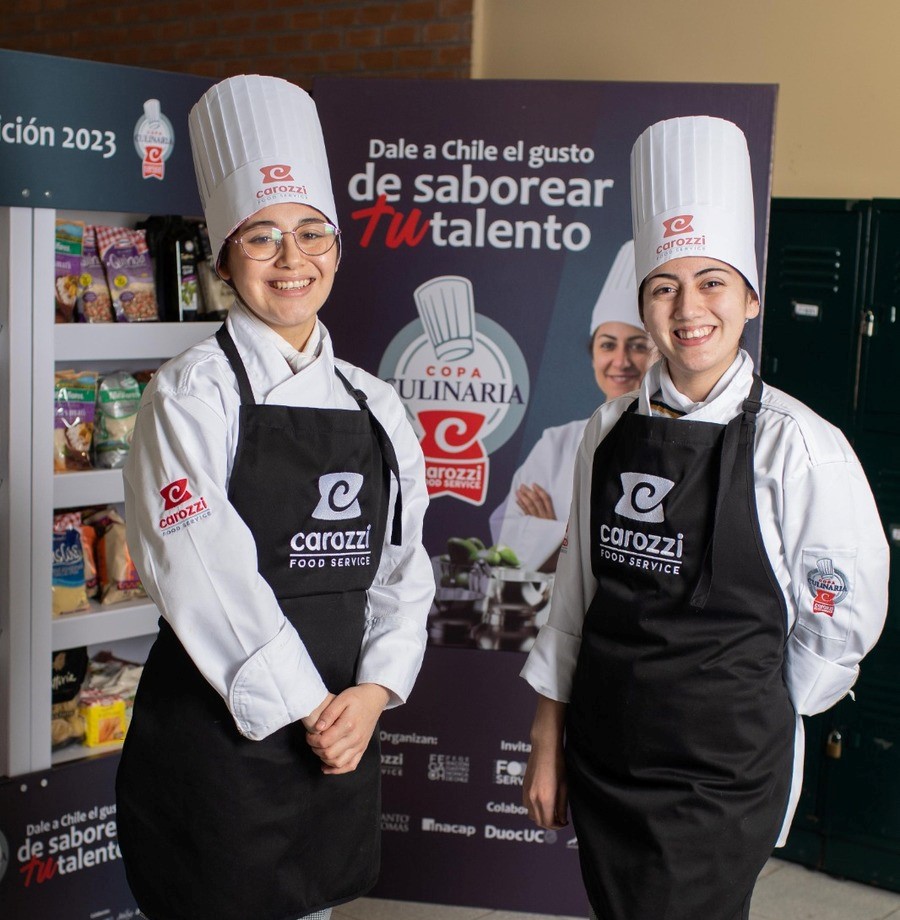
293,39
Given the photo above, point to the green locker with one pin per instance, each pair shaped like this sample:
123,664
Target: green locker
830,337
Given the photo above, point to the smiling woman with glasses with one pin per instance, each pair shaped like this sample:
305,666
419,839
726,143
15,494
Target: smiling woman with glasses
249,784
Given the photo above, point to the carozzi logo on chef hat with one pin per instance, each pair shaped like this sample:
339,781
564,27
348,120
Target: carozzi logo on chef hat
675,226
175,493
642,497
279,172
338,499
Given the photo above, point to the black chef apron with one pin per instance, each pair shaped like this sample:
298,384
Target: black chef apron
680,733
213,826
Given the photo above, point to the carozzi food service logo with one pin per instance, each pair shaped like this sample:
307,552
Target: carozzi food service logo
464,382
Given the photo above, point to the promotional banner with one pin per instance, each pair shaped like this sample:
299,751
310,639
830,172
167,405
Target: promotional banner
59,851
99,137
480,222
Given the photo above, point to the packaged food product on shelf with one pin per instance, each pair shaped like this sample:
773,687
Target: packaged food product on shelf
217,294
67,581
75,393
69,670
94,304
68,246
119,579
174,246
104,717
114,676
118,398
129,273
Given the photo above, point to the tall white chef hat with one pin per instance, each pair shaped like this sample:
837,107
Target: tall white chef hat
257,141
692,195
618,301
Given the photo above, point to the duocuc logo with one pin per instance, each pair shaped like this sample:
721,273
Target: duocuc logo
675,226
339,497
642,497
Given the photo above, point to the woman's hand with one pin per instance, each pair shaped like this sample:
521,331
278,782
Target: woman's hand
535,501
544,791
342,729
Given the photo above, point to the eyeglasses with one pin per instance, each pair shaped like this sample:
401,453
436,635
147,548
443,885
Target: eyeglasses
314,238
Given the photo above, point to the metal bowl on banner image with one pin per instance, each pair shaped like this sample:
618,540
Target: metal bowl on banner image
495,607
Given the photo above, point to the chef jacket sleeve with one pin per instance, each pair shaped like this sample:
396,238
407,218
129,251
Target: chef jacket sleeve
201,571
838,558
534,540
550,665
400,596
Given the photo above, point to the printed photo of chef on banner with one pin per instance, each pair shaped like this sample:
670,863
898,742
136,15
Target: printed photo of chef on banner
489,277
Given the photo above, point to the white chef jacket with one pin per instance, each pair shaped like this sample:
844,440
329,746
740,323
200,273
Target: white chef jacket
204,577
813,502
550,464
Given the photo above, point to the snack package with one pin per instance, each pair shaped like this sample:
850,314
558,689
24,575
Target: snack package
118,398
69,672
67,580
104,717
89,549
94,304
73,426
129,273
119,579
114,676
217,295
68,247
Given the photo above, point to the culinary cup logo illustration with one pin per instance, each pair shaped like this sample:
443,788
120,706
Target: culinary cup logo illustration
278,172
175,494
154,140
464,382
675,226
642,497
828,586
338,497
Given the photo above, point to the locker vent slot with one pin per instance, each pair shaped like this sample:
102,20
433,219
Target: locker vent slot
814,268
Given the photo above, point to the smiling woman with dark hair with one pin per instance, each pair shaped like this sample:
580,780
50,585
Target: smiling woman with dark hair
275,497
724,572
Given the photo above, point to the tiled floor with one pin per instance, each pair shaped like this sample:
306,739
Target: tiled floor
784,892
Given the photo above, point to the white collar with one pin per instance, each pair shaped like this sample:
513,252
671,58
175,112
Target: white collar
297,360
720,405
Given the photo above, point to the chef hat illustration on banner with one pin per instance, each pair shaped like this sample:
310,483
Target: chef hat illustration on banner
257,141
447,310
692,195
618,300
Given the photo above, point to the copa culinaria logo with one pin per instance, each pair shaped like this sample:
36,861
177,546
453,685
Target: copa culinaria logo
154,140
464,382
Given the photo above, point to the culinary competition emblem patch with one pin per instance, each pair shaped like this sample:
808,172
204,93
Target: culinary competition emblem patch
828,586
464,383
154,140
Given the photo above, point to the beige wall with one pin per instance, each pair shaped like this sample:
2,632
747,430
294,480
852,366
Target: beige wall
837,65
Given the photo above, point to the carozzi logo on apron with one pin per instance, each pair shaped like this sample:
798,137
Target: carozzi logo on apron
642,500
338,501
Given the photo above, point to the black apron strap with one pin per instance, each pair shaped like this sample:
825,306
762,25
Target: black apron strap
727,459
226,343
387,450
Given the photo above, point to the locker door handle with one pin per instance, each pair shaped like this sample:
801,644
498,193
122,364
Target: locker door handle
868,329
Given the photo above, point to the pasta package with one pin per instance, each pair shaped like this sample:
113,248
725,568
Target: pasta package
67,581
69,670
75,393
68,246
94,304
119,579
129,273
118,398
